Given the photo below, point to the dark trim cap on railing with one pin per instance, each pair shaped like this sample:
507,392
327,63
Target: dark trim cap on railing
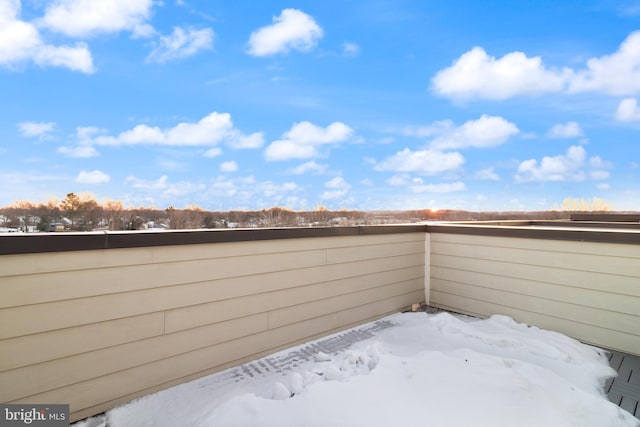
549,230
606,217
61,242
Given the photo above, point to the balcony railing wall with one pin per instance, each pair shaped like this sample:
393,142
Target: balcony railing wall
583,280
95,320
96,328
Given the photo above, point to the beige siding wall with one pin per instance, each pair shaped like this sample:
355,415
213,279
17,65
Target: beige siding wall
590,291
98,328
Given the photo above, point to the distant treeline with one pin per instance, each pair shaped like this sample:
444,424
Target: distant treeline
83,213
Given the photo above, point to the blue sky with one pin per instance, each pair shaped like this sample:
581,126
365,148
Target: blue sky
366,105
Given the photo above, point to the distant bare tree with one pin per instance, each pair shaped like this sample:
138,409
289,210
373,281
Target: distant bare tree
581,205
193,216
24,211
71,206
92,214
113,213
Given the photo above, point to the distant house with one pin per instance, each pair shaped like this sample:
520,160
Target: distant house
56,226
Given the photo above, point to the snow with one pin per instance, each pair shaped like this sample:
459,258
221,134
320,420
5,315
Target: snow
431,370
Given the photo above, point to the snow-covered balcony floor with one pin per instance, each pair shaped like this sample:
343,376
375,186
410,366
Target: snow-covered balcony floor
447,369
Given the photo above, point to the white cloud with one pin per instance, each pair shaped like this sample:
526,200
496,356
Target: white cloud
85,133
181,43
182,188
478,75
20,42
304,139
229,166
417,185
572,166
337,182
599,175
79,151
143,31
244,191
429,162
487,131
446,187
36,129
399,180
286,149
308,133
565,130
487,174
350,49
255,140
311,166
142,184
557,168
207,132
615,74
338,188
93,177
293,29
77,57
213,152
83,18
18,39
603,186
171,165
269,188
435,128
628,110
598,163
237,192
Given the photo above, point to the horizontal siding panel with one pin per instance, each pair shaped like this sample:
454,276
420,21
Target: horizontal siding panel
197,271
572,295
163,254
625,285
62,372
602,337
592,263
590,248
32,289
322,307
36,348
50,262
109,387
349,254
368,240
17,321
201,314
326,279
46,287
587,315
